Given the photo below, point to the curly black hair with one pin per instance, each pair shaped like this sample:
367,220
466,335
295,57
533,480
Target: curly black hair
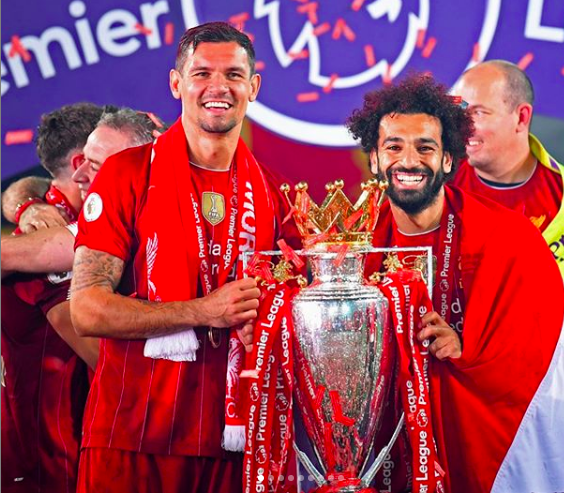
417,93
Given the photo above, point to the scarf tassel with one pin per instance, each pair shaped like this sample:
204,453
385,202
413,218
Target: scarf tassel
181,346
233,438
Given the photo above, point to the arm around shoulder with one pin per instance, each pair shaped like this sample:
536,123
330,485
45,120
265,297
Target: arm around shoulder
46,250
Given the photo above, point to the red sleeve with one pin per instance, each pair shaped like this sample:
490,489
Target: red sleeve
106,222
43,291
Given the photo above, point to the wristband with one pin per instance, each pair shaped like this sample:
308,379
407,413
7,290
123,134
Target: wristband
22,206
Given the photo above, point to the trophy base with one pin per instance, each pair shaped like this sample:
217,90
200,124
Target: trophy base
343,489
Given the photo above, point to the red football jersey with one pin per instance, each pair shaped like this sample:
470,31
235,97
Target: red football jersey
138,403
432,239
44,389
213,189
538,198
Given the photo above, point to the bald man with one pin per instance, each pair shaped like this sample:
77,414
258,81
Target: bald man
506,163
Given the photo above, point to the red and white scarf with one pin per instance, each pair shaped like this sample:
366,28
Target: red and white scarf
177,249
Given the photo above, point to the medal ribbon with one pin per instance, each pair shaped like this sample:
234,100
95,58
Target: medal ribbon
448,270
269,427
208,281
408,304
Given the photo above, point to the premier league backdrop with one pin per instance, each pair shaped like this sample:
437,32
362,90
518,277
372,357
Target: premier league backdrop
317,59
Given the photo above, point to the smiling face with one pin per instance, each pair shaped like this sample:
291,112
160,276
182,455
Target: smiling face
497,124
410,155
215,87
101,144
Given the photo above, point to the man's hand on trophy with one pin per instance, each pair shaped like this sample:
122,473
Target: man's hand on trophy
245,334
234,303
446,343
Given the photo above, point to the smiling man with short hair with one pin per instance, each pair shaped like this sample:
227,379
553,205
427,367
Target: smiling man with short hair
168,221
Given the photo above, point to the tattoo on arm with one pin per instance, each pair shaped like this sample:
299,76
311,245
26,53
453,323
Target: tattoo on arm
95,268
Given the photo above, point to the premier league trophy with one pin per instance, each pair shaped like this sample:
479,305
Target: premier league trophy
343,339
332,346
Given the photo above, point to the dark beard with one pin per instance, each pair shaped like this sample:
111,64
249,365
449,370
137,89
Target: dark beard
415,201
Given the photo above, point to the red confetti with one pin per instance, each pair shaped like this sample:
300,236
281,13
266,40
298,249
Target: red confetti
338,29
525,61
319,396
476,53
439,469
322,29
298,56
387,78
329,449
420,38
239,18
353,218
341,254
329,87
562,70
266,273
142,29
19,49
313,240
429,47
307,97
456,99
259,65
342,28
169,33
250,373
18,137
338,410
357,5
311,10
154,119
369,55
289,254
349,33
290,215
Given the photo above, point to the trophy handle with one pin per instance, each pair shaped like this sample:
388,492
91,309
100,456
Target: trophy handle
309,467
375,467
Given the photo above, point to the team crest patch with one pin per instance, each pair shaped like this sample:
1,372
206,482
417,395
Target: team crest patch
93,207
213,207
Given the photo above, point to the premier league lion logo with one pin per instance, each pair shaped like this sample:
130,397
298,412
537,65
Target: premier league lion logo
318,58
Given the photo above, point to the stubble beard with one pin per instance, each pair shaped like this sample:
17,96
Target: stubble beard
218,127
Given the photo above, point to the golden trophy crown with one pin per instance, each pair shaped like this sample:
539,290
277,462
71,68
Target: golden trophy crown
337,220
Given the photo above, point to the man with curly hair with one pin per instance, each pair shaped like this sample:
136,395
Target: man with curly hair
488,301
